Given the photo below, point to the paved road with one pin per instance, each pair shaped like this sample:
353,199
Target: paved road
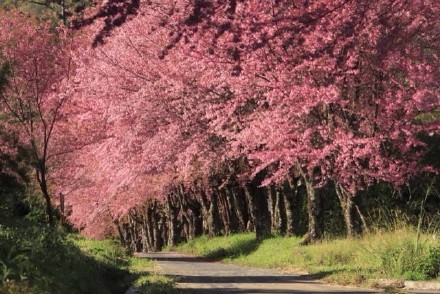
197,275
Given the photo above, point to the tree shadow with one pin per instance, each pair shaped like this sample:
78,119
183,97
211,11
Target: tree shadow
240,248
254,291
172,258
258,284
238,279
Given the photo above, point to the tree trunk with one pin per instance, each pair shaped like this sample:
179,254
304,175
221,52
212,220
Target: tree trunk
280,211
224,211
259,209
234,221
250,226
196,214
314,208
288,207
271,203
201,197
172,222
42,181
213,216
240,209
314,232
347,206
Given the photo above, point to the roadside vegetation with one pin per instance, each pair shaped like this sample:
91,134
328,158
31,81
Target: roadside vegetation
46,260
400,254
37,258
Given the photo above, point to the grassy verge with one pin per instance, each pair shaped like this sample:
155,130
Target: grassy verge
148,280
397,255
142,272
38,259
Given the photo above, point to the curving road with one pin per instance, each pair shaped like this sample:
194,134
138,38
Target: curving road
197,275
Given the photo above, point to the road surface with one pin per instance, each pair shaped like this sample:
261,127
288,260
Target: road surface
197,275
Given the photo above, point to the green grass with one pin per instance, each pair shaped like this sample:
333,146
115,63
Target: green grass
357,262
148,279
38,259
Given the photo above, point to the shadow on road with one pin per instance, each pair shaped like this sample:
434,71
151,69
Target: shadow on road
241,279
196,275
176,258
253,291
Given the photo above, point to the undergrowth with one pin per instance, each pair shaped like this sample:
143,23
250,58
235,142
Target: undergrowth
39,259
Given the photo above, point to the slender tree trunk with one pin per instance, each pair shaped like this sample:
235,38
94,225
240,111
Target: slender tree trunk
224,211
347,206
271,203
362,217
172,222
149,225
288,206
281,217
201,197
250,226
233,217
240,208
213,216
134,232
314,231
157,233
154,222
42,181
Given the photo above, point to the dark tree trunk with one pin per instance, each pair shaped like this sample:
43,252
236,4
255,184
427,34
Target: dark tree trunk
202,199
225,212
41,177
271,203
196,217
172,222
240,208
233,218
288,207
149,211
277,209
257,197
213,216
135,231
250,226
281,216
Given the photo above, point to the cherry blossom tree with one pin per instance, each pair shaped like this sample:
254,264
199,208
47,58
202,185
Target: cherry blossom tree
35,93
334,87
329,91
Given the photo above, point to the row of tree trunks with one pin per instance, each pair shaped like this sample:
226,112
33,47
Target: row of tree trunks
292,208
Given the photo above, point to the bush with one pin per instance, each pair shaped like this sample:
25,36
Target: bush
36,259
406,261
431,264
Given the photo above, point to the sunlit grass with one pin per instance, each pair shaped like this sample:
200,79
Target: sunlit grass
360,261
148,279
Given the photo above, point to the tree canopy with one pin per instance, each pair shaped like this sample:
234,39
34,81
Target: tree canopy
331,92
